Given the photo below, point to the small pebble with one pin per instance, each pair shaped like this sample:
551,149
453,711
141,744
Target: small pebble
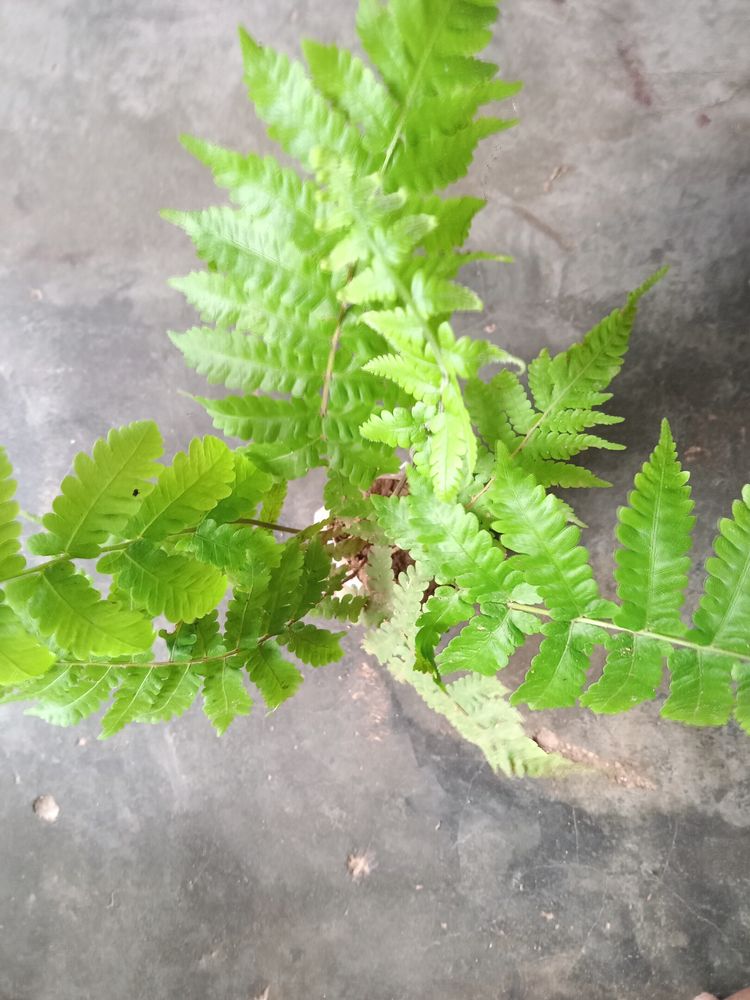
46,808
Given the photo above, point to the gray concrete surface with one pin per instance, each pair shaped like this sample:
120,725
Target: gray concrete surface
187,867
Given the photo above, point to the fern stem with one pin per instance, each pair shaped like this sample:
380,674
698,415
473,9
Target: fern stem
270,525
65,557
673,640
333,349
154,664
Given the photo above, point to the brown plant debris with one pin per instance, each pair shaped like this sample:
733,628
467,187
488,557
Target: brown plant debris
612,769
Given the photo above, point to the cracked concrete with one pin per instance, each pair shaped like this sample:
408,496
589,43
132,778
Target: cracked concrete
183,866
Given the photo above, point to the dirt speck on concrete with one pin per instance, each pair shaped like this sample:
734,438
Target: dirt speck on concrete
46,808
360,865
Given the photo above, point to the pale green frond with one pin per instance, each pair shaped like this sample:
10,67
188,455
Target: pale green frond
233,359
312,645
139,686
446,540
352,87
535,525
191,486
700,690
558,671
104,493
176,586
21,656
11,560
297,116
344,608
64,606
257,183
225,696
276,678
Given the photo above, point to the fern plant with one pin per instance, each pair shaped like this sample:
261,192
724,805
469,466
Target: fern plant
328,304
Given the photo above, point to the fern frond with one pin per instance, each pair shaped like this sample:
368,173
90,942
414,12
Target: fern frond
446,540
700,690
276,678
139,687
64,606
238,549
11,560
312,645
231,358
72,694
652,576
558,671
475,706
104,493
347,608
194,483
21,656
176,586
443,610
225,696
250,486
426,54
485,644
259,184
298,117
534,524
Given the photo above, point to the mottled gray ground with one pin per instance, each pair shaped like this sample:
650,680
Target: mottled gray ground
186,867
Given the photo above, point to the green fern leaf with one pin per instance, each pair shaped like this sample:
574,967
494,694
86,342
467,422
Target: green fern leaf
180,588
276,678
250,486
106,490
283,590
652,576
446,539
237,361
475,706
195,482
178,687
353,89
225,696
264,420
298,117
240,550
484,645
535,526
347,608
11,560
315,646
443,610
21,656
425,53
558,671
700,691
134,697
78,693
259,184
64,606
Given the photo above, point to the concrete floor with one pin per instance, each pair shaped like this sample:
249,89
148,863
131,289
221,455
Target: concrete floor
187,867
